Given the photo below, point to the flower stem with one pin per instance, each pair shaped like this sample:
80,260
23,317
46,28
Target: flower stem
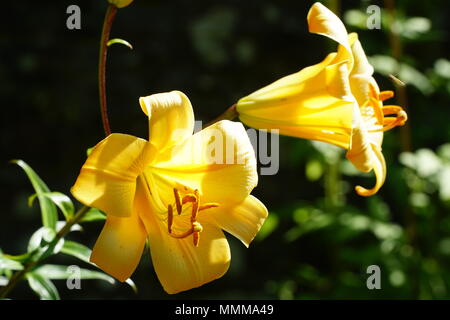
107,24
229,114
31,263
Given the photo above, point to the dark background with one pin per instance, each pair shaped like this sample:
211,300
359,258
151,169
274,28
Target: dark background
321,236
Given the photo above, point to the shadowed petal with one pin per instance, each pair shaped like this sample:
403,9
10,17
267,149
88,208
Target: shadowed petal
107,180
119,247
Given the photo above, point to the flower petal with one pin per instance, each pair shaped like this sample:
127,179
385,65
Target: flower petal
107,180
379,167
119,247
179,264
171,118
315,103
219,161
323,21
361,74
243,220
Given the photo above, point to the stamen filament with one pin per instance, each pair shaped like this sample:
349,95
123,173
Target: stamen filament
208,206
189,198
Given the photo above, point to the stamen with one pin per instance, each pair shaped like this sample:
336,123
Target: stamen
208,206
189,198
391,109
372,91
384,95
183,235
196,227
169,218
177,200
196,238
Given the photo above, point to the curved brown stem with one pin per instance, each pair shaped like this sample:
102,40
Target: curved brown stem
107,24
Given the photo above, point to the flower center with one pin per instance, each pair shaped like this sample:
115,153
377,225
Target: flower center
389,116
189,198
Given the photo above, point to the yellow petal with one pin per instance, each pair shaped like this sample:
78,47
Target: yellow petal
323,21
361,74
119,247
315,103
107,180
379,167
219,161
179,264
171,118
360,151
243,220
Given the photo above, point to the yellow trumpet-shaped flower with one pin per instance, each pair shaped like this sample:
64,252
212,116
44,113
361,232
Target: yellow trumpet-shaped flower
336,101
178,190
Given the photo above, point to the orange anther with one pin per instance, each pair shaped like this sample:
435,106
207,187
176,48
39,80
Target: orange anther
169,218
177,200
384,95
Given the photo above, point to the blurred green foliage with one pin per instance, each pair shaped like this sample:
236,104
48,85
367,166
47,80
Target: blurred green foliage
320,236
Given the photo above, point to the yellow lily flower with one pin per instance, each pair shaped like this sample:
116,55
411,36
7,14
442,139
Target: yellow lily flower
178,190
336,101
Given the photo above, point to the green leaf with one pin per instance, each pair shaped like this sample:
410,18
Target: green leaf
44,288
3,281
48,209
119,41
18,258
132,285
93,215
62,201
58,272
41,243
40,238
9,264
77,250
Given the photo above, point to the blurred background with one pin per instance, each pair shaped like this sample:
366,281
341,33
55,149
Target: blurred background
320,236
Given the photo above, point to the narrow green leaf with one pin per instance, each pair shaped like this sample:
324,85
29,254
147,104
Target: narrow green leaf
62,201
41,243
119,41
9,264
77,250
40,238
43,287
18,258
48,209
132,285
58,272
93,215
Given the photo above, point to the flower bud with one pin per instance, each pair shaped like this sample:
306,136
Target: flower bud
120,3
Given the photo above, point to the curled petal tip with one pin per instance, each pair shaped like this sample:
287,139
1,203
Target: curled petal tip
365,192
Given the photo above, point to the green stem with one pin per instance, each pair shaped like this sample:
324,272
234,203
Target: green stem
229,114
31,262
107,24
